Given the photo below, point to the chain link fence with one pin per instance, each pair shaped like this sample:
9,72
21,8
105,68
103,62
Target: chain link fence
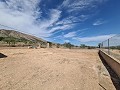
112,46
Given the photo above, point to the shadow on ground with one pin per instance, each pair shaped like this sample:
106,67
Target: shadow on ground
114,77
2,55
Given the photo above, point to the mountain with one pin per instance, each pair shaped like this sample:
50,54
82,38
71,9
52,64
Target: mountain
19,35
15,38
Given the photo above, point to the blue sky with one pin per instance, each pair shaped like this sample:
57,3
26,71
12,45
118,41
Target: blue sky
76,21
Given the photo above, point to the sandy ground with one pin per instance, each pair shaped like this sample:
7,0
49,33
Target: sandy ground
50,69
116,51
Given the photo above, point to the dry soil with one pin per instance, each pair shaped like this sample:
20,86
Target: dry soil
50,69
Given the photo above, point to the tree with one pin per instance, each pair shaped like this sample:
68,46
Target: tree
7,39
99,45
118,47
1,38
10,40
58,45
68,45
82,45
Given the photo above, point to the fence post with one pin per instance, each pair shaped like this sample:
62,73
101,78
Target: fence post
102,45
108,46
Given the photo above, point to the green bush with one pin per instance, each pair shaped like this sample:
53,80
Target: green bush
68,45
1,38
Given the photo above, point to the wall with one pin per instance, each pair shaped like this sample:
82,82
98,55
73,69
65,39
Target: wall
112,62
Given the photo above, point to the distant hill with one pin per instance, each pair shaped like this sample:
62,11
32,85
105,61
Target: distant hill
15,38
18,35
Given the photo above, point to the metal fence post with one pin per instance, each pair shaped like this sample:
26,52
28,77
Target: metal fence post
102,45
108,46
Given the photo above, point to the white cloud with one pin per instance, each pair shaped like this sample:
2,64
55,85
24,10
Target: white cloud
95,38
70,34
74,7
22,15
73,20
99,22
74,33
64,27
78,5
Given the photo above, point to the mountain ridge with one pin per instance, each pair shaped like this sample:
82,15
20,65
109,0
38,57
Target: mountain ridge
19,35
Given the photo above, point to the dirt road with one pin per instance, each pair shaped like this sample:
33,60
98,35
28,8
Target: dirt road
49,69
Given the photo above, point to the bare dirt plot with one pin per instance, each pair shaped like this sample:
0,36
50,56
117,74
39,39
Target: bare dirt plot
49,69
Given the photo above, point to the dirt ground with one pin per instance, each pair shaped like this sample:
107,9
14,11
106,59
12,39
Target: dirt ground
51,69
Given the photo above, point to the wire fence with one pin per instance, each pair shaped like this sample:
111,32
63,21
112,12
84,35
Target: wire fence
112,46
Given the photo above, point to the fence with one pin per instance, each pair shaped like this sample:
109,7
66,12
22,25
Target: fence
112,46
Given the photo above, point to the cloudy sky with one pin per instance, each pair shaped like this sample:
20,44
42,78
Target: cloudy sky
76,21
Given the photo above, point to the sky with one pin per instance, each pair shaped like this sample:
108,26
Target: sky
76,21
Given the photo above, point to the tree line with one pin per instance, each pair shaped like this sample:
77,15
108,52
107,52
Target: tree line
11,41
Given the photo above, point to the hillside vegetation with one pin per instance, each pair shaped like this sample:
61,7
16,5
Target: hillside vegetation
11,37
